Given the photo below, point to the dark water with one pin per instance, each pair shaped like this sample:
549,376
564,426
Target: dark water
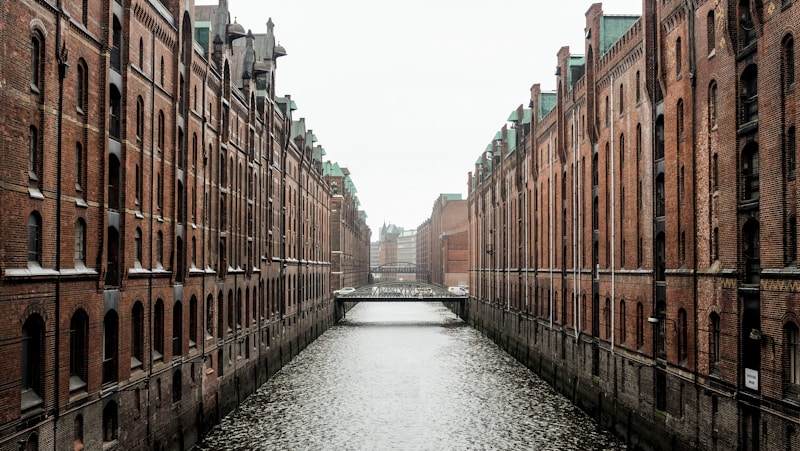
406,377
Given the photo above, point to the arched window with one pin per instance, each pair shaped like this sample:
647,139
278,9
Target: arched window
661,196
78,351
141,53
747,28
80,159
792,359
112,262
114,113
787,61
37,61
230,311
714,346
661,330
110,346
683,336
623,322
77,430
220,315
159,250
158,330
32,362
161,125
34,156
661,257
678,57
177,329
679,119
711,34
139,119
750,173
193,322
34,239
110,422
116,44
712,104
81,88
177,386
137,248
137,336
114,177
659,137
749,94
80,243
791,153
607,318
639,325
751,250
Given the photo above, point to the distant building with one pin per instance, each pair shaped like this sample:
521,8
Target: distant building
442,241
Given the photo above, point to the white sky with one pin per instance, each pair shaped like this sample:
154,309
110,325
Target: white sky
408,93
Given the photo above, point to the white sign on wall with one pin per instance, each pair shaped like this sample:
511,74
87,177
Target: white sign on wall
751,379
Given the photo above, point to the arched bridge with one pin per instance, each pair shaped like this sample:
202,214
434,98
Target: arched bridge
401,292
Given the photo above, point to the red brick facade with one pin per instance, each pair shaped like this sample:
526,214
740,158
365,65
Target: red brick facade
442,242
167,239
635,238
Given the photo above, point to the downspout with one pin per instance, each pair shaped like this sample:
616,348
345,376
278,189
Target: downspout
61,57
203,228
152,172
613,216
578,327
508,245
693,81
527,232
550,237
575,264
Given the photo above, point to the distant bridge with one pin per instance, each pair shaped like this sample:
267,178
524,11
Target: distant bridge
397,270
401,292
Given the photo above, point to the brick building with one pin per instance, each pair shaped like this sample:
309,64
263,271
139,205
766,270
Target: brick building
350,258
168,242
633,234
442,244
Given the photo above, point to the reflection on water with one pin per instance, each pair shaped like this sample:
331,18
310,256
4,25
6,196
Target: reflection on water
406,377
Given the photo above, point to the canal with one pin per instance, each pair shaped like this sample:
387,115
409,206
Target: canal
406,377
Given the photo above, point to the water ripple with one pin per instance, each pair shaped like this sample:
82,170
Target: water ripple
406,377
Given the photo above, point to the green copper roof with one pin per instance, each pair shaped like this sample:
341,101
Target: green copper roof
201,33
526,113
319,152
513,117
511,136
332,169
575,70
547,101
612,28
497,136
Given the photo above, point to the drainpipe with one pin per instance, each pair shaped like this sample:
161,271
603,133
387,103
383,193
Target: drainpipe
508,245
203,228
152,172
575,224
613,215
527,232
692,70
550,222
61,57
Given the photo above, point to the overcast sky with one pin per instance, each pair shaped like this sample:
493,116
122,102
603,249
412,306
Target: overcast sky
408,93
